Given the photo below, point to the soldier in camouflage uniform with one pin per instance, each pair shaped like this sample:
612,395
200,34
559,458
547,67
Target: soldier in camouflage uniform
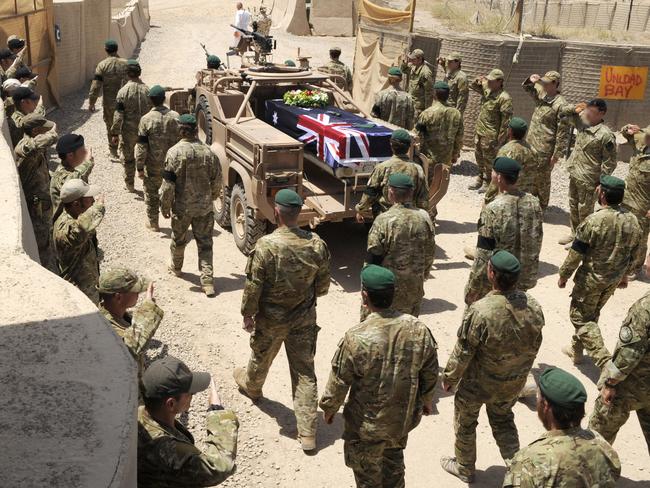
25,102
402,239
491,125
76,162
157,132
497,345
457,81
593,155
7,59
337,67
513,222
566,456
375,198
110,76
625,380
549,133
420,85
75,241
167,456
190,185
606,244
119,289
393,104
31,161
389,364
286,272
518,149
132,102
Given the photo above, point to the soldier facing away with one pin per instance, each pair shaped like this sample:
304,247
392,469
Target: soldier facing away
190,185
110,75
76,162
457,81
565,455
26,102
497,345
604,252
389,364
393,104
337,67
157,132
420,85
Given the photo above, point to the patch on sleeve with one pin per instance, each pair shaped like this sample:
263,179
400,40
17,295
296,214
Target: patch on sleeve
625,335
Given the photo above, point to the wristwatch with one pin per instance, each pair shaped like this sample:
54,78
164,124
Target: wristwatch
214,407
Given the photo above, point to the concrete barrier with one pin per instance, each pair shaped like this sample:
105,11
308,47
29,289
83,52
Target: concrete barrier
69,391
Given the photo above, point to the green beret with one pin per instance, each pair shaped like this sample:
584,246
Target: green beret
121,280
612,182
562,388
441,85
133,62
505,262
187,119
288,198
394,71
377,278
110,44
289,62
518,123
400,180
506,166
401,135
156,91
214,60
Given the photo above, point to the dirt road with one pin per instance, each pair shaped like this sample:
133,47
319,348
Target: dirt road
207,332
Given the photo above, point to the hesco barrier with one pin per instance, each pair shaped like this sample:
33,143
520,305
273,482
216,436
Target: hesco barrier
69,394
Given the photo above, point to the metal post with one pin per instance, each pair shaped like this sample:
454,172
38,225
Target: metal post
245,102
519,15
629,15
413,2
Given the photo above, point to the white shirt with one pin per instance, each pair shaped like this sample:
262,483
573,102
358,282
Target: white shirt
242,19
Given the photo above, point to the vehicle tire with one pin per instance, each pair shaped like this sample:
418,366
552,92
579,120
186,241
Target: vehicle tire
222,205
246,229
204,120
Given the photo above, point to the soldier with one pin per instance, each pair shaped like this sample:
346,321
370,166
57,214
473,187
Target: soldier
593,155
157,132
497,345
214,62
402,239
491,125
420,85
31,160
637,185
393,104
8,88
18,49
263,22
337,67
566,455
513,222
25,102
625,380
6,63
119,289
549,133
110,75
15,44
606,244
375,197
132,102
457,81
76,162
286,272
190,185
167,455
518,149
75,242
389,363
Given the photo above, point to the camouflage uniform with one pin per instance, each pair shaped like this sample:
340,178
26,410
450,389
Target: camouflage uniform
339,68
402,239
491,126
190,186
375,197
168,458
15,123
420,86
110,76
63,174
497,345
594,153
528,180
286,272
389,362
565,459
158,131
512,222
75,243
458,90
548,136
31,159
606,243
440,129
132,103
395,107
629,371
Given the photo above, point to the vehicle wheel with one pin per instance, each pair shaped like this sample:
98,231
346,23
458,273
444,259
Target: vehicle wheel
222,206
204,120
246,229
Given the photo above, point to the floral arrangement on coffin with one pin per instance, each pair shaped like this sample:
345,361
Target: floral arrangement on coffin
306,98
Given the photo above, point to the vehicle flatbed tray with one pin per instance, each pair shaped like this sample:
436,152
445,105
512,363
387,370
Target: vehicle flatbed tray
257,131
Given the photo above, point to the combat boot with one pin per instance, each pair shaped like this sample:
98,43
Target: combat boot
173,270
566,239
152,225
529,389
477,183
576,354
240,378
470,252
208,289
113,155
484,186
307,442
130,187
450,465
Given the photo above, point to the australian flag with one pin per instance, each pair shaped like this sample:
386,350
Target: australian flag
335,136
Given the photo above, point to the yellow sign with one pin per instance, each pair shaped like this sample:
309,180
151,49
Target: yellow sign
623,82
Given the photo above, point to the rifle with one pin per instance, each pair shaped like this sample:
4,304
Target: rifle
266,42
204,49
